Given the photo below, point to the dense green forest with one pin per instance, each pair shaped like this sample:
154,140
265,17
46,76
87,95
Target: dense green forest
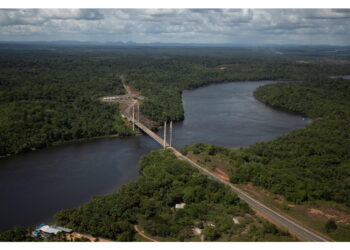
45,99
150,201
306,164
50,93
16,234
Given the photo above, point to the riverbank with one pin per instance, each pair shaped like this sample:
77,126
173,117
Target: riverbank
154,126
103,165
55,144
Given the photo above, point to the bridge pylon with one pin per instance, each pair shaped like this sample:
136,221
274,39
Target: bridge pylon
138,112
171,133
164,135
133,117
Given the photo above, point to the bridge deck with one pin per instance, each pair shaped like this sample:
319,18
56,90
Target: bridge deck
153,135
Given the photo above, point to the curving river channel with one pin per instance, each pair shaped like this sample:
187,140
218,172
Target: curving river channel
35,185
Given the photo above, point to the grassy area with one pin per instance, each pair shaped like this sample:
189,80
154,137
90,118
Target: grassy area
314,215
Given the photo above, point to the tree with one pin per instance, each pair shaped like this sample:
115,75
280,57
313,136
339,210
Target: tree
330,225
211,233
18,233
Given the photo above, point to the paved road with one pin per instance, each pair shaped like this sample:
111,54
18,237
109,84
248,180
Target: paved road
279,219
292,227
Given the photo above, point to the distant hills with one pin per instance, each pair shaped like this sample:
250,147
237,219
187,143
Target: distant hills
160,44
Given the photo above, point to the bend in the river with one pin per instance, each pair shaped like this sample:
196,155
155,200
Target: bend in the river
35,185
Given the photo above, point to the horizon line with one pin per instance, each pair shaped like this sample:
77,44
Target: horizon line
132,43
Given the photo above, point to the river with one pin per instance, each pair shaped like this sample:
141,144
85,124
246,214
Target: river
35,185
347,77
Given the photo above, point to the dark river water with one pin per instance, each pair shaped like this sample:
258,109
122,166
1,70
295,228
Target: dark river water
347,77
35,185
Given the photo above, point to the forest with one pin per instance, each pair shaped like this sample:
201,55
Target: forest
47,99
306,164
49,93
150,203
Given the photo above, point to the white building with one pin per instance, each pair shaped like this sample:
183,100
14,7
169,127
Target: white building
180,206
48,229
53,230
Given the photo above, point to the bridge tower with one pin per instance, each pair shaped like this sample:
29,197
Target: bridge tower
171,133
165,135
138,112
133,116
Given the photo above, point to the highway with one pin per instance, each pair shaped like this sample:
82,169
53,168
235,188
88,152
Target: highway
295,229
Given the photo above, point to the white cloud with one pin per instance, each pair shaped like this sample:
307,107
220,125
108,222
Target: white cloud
178,25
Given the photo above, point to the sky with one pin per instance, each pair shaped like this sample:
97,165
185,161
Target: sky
209,26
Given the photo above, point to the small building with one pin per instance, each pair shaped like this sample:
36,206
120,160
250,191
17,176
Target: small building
197,231
49,229
180,205
109,98
64,229
235,220
52,229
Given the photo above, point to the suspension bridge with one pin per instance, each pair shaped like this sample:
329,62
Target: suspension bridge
277,218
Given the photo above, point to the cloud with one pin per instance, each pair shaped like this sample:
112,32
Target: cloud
40,16
328,14
178,25
72,14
